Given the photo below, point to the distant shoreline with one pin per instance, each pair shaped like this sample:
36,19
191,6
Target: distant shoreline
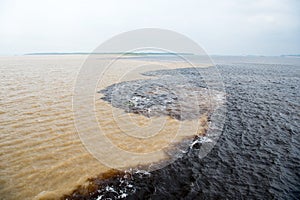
148,54
114,53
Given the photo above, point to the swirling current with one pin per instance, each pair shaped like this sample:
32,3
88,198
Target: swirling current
256,157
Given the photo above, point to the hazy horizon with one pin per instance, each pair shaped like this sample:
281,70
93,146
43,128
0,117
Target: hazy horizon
237,27
144,53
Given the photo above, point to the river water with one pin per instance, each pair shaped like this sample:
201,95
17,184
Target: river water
42,154
256,157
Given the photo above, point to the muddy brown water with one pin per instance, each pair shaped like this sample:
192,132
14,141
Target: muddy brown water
42,156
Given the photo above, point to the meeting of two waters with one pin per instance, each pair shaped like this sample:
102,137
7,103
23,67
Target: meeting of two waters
257,155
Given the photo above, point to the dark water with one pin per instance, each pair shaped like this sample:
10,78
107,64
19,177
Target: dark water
256,157
181,94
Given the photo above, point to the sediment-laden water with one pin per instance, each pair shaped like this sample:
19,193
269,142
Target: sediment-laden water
256,157
42,156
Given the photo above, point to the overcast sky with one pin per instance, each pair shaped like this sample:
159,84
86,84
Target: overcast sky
231,27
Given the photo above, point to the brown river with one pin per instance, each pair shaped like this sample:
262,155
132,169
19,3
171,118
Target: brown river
42,156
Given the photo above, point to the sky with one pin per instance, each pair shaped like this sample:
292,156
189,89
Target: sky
221,27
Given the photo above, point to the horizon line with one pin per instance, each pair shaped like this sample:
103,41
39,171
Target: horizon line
145,53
